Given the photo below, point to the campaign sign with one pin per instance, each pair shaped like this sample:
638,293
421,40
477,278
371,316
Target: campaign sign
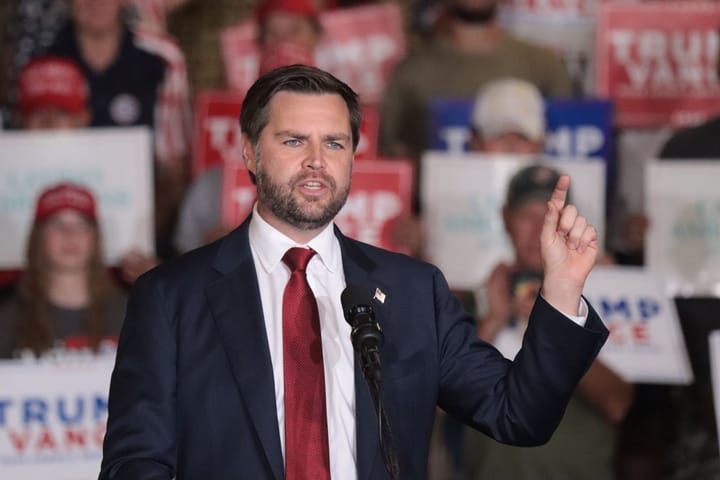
238,194
683,241
381,192
367,148
658,61
360,46
114,163
52,417
218,136
646,343
450,124
579,129
714,341
217,129
462,198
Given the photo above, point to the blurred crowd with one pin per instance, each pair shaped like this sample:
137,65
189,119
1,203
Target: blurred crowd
81,64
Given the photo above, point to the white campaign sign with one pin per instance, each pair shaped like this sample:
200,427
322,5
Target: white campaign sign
683,241
646,343
462,197
53,417
714,340
115,164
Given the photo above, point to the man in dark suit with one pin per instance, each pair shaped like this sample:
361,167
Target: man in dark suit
205,383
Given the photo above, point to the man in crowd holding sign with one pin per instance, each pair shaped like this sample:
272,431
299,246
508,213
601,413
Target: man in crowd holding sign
583,445
213,340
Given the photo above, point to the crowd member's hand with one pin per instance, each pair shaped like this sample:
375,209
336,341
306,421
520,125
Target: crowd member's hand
134,263
569,249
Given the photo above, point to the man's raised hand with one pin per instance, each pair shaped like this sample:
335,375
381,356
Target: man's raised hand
569,248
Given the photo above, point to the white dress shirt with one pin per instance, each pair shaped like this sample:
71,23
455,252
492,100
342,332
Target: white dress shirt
327,281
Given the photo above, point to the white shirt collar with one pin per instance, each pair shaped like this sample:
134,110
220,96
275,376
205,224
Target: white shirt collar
270,244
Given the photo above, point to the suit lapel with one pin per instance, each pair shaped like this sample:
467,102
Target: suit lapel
358,271
235,302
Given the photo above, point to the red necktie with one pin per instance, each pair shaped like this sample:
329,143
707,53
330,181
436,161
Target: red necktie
306,438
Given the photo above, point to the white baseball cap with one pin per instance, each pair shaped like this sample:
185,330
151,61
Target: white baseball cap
508,106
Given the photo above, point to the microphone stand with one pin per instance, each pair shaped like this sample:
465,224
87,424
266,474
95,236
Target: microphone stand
371,368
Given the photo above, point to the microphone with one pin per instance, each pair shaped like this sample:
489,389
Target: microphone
367,338
366,334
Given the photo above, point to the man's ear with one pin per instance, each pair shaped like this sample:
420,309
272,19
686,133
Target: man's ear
248,155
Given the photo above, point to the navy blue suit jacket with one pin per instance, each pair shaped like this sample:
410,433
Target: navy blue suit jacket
192,391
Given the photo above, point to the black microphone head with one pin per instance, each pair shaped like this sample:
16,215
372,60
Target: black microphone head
366,334
354,297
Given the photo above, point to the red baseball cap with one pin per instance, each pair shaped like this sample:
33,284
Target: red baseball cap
52,82
65,195
306,8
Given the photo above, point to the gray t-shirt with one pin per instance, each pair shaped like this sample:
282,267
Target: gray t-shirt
67,325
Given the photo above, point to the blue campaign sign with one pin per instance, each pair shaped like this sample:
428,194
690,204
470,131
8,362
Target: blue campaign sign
450,124
579,128
575,128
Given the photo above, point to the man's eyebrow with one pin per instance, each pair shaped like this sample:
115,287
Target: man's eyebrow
336,136
291,133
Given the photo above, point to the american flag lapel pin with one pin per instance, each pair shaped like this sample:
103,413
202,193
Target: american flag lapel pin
379,295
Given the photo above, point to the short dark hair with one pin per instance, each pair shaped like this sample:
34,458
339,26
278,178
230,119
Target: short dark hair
299,79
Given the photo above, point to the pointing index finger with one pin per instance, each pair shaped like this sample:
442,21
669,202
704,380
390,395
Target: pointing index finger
559,195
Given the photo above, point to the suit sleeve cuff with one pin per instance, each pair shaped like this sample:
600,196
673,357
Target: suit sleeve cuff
582,315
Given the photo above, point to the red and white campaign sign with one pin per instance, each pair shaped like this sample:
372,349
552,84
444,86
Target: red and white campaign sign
658,61
367,148
238,194
381,192
217,129
360,45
